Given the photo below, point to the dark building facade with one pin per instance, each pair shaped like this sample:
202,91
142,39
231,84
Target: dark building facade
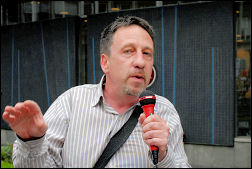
202,57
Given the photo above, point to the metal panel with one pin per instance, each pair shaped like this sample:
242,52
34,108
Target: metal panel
37,62
194,60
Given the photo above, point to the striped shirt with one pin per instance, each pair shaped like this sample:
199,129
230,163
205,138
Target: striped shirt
80,125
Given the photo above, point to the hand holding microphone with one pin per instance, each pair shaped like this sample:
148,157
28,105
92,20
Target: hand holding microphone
155,129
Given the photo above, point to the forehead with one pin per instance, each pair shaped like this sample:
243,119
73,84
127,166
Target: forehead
131,33
130,29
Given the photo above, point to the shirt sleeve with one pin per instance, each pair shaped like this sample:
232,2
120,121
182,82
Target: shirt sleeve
176,156
46,151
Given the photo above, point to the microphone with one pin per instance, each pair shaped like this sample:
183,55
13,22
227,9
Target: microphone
147,101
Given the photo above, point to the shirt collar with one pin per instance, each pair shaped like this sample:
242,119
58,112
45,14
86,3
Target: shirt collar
99,91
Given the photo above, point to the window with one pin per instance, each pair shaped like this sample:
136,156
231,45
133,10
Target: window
143,4
243,68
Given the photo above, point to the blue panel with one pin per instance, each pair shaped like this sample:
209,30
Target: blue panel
45,68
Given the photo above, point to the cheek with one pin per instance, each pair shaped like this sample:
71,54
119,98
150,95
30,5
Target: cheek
119,70
121,66
148,73
149,70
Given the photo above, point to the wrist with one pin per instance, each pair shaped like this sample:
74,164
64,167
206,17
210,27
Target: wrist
29,139
162,154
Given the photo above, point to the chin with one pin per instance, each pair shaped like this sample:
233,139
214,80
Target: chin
134,92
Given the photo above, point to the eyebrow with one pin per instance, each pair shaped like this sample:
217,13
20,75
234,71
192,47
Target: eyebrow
132,44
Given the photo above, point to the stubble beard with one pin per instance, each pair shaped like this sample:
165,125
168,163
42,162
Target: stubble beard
130,92
134,92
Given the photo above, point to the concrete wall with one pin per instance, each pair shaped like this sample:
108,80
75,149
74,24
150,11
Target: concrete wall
199,156
203,156
7,137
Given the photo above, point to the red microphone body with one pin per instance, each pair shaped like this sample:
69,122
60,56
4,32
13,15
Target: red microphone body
147,100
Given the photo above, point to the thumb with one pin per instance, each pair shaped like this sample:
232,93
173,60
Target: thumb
32,106
141,118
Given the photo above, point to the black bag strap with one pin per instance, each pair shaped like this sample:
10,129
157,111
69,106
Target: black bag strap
119,138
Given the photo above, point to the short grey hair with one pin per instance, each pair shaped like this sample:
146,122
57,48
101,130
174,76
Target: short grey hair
109,31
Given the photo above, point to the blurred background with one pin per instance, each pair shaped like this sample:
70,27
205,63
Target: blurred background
202,64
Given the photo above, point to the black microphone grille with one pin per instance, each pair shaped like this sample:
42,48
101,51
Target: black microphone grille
147,97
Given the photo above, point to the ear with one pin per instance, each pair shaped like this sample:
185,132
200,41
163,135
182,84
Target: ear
105,63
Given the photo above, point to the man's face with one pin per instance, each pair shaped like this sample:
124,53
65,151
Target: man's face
131,60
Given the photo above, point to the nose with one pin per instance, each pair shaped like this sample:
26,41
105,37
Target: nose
138,60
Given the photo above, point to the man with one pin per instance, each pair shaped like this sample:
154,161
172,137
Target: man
79,124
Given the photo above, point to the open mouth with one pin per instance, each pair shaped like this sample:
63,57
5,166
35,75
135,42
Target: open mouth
138,77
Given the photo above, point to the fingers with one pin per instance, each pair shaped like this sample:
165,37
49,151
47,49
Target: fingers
32,106
153,122
158,142
156,137
26,119
12,114
155,130
9,109
144,120
20,110
9,114
152,126
20,107
152,118
8,117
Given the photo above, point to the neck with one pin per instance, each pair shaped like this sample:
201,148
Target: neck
119,101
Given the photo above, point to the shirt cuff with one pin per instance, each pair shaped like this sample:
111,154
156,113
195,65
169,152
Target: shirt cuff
32,147
165,163
30,139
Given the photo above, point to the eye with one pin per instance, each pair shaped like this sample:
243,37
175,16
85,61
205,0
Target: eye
147,53
128,51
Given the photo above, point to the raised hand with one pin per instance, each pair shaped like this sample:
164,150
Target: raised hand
26,119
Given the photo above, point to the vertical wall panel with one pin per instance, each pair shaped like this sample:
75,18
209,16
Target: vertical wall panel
47,56
192,42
